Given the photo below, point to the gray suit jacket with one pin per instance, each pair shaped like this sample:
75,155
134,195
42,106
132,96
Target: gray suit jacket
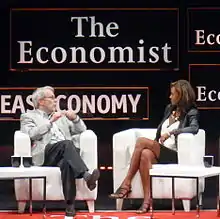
38,127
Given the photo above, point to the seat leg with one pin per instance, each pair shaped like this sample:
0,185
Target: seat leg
131,201
91,206
200,199
21,206
119,204
186,205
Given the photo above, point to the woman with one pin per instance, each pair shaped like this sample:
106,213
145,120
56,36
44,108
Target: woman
181,116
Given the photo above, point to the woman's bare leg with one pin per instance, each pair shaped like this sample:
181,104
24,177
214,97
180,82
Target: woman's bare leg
141,144
147,159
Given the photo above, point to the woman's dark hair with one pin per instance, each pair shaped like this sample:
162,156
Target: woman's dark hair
187,94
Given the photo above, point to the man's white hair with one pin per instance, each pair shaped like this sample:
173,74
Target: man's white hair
39,93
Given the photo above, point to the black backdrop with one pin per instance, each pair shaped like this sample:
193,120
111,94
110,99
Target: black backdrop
158,81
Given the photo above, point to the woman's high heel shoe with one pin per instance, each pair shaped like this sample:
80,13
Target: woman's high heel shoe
145,207
120,193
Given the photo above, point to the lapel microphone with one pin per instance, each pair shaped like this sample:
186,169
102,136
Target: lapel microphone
50,115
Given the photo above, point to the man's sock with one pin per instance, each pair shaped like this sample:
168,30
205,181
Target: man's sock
91,178
86,176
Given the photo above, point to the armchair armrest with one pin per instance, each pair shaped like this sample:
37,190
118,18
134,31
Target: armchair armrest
22,144
88,149
88,146
191,148
122,141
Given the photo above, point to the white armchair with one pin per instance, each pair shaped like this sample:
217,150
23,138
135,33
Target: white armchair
88,152
191,149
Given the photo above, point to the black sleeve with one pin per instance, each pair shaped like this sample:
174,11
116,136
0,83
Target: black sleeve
193,123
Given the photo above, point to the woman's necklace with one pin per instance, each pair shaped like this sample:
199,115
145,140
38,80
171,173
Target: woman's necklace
175,115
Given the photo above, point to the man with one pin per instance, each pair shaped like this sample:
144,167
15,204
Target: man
51,134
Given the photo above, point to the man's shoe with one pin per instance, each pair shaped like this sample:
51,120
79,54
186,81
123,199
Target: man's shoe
70,211
91,182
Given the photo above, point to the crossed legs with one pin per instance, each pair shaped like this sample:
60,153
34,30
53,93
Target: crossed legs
66,156
145,154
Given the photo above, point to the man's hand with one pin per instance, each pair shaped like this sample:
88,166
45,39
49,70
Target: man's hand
163,138
56,116
70,114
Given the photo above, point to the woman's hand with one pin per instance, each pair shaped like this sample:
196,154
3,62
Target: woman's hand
164,137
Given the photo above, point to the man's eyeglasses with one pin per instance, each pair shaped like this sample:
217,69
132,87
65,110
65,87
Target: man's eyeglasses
53,98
